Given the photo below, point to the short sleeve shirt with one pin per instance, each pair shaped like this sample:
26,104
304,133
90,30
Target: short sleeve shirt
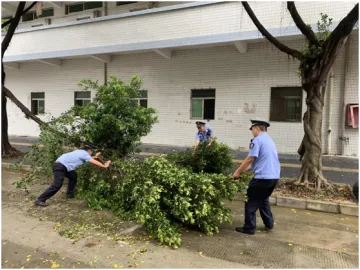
74,159
266,164
204,136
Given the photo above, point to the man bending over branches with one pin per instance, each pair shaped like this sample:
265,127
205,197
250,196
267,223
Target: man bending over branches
65,166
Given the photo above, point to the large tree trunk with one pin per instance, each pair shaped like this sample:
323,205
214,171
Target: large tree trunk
7,150
311,146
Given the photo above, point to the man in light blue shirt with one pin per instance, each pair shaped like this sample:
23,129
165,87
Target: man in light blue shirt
65,166
263,160
204,134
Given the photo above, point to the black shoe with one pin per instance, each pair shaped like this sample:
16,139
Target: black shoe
40,203
268,229
70,197
241,230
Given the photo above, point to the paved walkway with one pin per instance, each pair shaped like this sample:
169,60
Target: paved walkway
301,239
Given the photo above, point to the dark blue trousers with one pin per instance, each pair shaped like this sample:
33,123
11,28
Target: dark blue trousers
60,172
258,194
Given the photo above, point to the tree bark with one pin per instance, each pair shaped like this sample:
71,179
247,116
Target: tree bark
311,146
7,149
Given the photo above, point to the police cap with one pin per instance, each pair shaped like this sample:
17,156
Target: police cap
259,123
200,124
89,146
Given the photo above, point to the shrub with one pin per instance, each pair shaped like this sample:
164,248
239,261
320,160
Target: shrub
213,159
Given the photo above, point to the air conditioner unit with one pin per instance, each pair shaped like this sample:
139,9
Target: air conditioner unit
97,13
47,21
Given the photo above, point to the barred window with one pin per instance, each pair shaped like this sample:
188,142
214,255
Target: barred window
286,104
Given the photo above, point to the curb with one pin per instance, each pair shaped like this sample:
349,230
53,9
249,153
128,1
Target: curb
6,165
313,205
290,202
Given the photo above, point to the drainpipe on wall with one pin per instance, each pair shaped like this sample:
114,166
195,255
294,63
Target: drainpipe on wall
331,86
105,64
343,117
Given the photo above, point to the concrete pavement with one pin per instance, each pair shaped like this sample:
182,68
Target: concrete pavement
301,239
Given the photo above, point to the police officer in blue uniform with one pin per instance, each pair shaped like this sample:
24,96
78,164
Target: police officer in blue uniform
204,134
263,160
65,166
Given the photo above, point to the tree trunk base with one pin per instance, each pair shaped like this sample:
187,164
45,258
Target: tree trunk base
10,152
311,176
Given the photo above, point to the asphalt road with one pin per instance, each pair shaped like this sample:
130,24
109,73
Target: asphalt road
337,169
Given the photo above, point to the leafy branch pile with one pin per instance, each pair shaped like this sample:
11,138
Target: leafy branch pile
213,159
161,195
164,194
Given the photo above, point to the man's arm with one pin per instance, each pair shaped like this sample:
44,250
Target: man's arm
245,166
99,164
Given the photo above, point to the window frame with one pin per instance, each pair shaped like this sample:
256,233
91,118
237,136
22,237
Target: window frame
82,99
203,102
120,3
35,17
142,98
300,98
37,99
83,7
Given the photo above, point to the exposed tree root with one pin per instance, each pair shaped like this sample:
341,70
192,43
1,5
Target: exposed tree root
310,176
10,152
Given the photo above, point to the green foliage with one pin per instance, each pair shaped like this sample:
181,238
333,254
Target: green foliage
311,51
213,159
161,195
323,27
114,120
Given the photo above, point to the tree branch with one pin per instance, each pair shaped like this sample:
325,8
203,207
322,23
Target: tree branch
23,13
15,22
336,39
307,32
345,27
282,47
22,107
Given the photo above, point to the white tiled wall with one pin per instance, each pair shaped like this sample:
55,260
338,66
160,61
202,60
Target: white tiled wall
214,19
58,83
239,79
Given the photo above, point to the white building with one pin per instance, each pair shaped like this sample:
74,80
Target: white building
198,60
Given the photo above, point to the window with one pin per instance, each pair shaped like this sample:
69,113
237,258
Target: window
77,7
31,15
38,103
286,104
122,3
143,99
203,104
82,98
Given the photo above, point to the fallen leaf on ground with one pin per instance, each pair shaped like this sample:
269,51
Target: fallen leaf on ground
201,254
290,244
115,266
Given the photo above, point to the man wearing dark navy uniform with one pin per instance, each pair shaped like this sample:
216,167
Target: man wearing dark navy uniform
263,160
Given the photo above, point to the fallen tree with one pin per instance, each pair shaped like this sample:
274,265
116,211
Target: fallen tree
163,194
